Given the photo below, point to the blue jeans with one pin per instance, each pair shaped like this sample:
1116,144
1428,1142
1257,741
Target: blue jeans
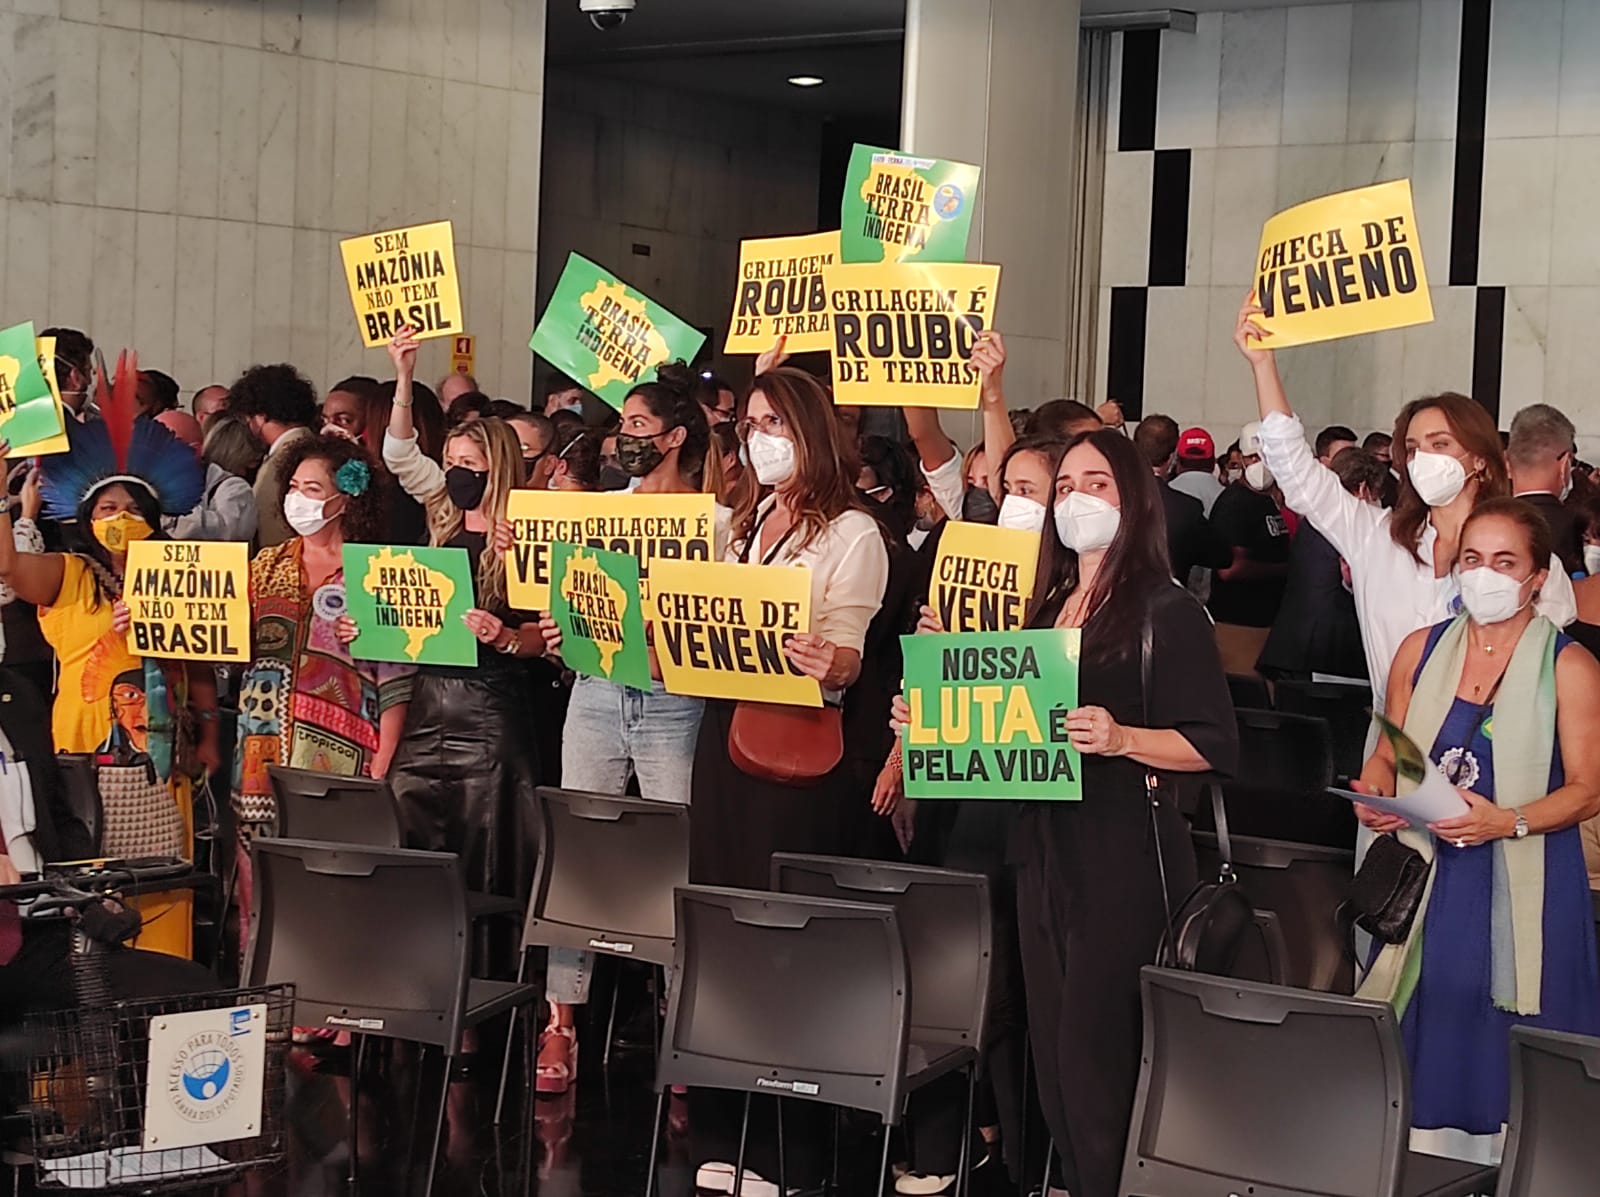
614,732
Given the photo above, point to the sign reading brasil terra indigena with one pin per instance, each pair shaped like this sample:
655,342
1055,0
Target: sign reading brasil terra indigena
404,277
780,294
983,577
188,599
720,629
28,411
408,604
989,715
903,335
681,527
594,599
1341,265
607,336
897,207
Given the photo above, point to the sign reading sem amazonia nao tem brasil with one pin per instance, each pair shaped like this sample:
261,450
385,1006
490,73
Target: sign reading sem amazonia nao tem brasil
1342,265
404,277
189,600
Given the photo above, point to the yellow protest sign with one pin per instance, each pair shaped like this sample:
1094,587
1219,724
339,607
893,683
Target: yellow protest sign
681,527
720,628
983,577
404,276
780,294
47,366
903,334
1342,265
189,599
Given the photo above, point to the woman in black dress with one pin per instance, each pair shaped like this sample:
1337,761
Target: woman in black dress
1089,894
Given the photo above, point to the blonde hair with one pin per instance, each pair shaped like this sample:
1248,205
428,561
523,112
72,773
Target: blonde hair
503,452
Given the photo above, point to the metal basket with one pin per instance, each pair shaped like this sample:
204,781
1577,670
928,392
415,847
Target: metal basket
87,1097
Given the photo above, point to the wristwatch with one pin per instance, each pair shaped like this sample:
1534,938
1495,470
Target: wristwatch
1520,831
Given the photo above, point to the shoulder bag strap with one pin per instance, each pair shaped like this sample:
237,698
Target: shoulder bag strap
1166,955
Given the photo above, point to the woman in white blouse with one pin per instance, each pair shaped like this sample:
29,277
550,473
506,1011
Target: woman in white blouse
1400,559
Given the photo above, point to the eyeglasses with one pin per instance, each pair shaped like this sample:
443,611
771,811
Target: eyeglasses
772,425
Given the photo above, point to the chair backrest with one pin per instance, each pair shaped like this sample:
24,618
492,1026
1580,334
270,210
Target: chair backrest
334,810
1555,1107
80,792
946,924
1249,690
374,939
793,996
1347,709
606,871
1280,792
1303,885
1254,1088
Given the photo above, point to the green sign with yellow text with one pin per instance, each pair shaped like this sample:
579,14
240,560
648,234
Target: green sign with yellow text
902,208
594,599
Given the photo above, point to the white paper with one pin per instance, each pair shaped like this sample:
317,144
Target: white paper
1433,801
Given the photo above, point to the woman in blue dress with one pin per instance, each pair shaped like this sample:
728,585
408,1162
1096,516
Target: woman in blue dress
1509,710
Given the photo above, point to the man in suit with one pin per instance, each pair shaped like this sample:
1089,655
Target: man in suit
1191,542
1542,446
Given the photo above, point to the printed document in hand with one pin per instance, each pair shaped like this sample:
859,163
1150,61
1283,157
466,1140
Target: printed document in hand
1422,795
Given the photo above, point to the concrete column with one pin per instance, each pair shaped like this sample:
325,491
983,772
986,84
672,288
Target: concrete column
993,82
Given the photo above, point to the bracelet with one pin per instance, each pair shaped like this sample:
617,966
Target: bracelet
406,404
513,646
5,504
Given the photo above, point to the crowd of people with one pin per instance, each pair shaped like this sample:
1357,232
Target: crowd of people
1453,569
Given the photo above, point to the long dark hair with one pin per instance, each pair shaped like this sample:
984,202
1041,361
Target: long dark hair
1471,424
1135,564
671,399
427,419
892,466
81,539
366,514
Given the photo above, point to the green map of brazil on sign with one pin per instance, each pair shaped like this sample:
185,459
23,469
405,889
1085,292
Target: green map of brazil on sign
594,599
900,208
606,335
408,604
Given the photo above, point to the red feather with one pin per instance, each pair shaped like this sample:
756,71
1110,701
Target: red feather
119,405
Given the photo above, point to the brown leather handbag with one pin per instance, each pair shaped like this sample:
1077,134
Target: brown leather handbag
786,744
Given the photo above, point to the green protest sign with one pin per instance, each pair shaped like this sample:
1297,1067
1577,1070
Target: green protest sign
989,715
900,208
28,411
609,337
594,599
408,604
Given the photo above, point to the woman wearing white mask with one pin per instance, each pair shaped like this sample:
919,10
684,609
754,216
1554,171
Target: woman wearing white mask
1507,706
305,701
1103,569
1400,560
797,505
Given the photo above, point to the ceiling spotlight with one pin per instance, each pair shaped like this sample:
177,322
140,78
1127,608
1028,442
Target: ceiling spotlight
806,80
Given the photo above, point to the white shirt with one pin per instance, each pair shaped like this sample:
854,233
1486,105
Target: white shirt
1395,594
948,486
1198,484
227,511
17,817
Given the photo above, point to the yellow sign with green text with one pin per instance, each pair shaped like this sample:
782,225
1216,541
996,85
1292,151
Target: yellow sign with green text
983,577
189,600
1342,265
720,630
404,277
649,527
903,334
780,294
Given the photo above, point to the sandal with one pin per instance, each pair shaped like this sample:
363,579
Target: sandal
558,1060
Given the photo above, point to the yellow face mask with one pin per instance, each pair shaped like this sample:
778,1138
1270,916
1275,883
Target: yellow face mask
118,531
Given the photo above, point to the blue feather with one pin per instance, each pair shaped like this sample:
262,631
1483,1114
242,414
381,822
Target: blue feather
165,463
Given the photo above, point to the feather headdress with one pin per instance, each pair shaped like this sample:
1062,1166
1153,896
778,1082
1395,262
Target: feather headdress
120,448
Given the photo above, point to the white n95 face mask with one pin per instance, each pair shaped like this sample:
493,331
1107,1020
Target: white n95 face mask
1018,511
771,457
1591,559
1438,477
304,514
1490,597
1257,476
1085,523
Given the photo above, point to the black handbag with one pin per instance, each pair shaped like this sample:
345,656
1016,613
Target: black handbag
1386,892
1206,931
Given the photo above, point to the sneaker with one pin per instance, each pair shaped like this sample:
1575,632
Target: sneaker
716,1176
921,1184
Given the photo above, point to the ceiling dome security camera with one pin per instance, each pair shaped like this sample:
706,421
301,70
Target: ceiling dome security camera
606,15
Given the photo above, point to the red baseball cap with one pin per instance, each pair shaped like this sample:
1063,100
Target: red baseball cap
1196,444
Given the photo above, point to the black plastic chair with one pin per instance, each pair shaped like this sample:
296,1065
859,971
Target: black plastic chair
1280,792
1248,1088
947,926
803,998
376,941
1249,690
1555,1107
604,881
1302,884
1347,709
